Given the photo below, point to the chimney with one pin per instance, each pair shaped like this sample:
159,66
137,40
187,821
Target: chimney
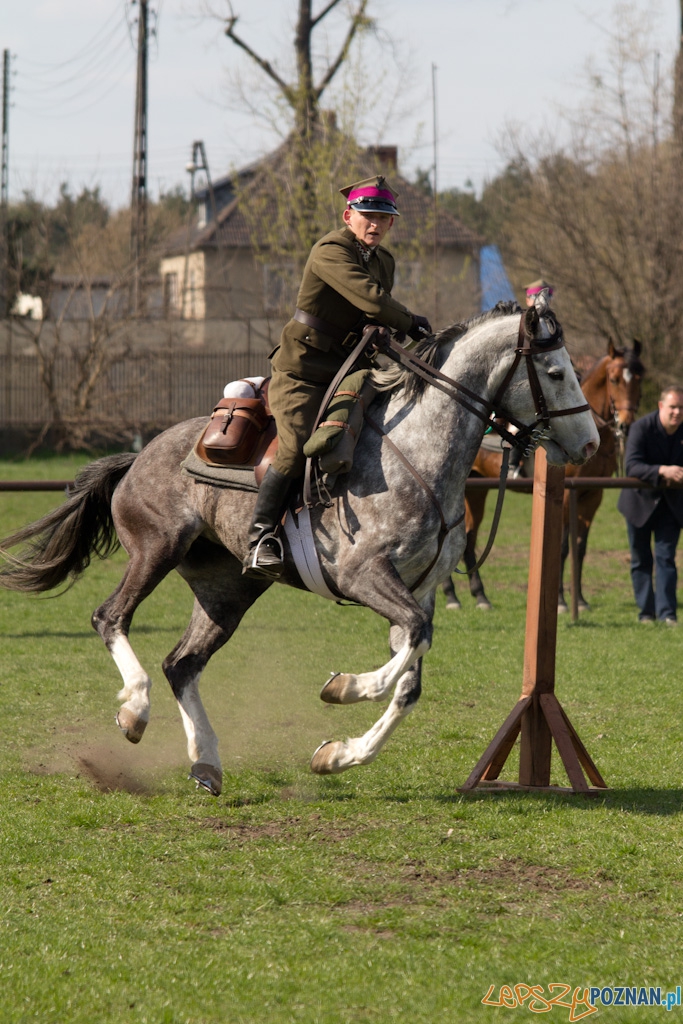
385,156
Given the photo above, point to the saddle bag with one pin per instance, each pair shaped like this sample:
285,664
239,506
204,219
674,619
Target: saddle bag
334,442
235,432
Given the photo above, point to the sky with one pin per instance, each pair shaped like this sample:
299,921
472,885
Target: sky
488,63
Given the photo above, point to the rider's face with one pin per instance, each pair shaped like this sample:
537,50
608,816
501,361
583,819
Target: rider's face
369,228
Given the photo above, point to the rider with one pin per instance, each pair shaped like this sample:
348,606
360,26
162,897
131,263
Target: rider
346,284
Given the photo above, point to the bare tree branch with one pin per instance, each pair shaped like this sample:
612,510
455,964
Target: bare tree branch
325,11
357,21
265,65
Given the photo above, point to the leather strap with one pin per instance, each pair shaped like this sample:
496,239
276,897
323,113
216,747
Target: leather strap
444,528
342,372
324,326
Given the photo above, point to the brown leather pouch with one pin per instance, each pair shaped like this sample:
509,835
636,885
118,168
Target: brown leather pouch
232,437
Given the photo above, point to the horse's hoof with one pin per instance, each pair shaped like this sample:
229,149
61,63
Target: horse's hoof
562,608
337,689
584,606
130,725
325,760
483,605
453,606
208,777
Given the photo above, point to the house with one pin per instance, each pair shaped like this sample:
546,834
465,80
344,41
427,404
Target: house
228,264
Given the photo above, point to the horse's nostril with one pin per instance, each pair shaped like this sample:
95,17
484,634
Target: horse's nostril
590,449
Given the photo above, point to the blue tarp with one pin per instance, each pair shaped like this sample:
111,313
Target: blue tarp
495,285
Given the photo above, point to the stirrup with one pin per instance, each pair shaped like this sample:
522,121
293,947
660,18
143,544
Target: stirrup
270,570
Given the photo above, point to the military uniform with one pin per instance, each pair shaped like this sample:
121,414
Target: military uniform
345,285
342,289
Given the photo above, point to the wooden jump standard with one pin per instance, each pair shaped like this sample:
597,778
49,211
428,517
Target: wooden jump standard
538,714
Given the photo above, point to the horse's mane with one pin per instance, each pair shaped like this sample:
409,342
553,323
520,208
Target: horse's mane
431,351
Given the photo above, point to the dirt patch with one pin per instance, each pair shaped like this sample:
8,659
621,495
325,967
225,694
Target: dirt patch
309,829
506,875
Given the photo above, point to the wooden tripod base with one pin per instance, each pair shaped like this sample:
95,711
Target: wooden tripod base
538,715
540,719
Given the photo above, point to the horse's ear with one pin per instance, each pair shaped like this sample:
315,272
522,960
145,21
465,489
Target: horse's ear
637,347
531,319
611,350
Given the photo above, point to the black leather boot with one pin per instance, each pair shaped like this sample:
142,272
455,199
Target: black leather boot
265,555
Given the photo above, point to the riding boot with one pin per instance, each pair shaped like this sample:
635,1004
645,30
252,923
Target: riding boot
265,555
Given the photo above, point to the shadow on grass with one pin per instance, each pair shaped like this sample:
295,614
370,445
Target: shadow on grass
91,634
657,802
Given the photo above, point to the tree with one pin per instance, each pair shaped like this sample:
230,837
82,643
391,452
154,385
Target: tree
303,94
601,217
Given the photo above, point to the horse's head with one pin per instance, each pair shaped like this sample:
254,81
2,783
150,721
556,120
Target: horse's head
541,389
624,373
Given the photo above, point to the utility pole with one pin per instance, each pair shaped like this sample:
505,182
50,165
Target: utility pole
138,206
435,137
200,163
4,189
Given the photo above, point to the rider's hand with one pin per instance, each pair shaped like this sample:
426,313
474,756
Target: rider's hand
421,328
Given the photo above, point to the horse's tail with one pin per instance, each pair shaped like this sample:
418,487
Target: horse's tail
60,545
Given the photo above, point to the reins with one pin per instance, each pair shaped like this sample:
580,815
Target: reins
527,438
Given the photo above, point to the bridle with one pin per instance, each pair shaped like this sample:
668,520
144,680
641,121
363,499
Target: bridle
527,438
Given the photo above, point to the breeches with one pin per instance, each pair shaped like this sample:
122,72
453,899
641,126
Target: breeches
295,404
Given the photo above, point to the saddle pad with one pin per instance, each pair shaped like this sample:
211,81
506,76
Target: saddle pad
238,478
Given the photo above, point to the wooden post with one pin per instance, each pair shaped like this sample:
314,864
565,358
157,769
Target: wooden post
574,550
538,715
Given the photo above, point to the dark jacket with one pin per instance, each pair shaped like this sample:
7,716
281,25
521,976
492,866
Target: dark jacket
648,447
339,287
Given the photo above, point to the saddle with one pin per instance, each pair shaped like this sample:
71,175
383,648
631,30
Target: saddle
241,432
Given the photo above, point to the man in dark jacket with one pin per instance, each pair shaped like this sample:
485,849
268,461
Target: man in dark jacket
654,454
346,284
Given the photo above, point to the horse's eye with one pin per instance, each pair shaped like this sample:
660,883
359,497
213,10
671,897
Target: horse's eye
556,373
614,380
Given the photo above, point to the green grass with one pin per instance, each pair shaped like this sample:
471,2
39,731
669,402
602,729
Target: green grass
378,895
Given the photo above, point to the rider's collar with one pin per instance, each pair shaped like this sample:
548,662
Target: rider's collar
365,251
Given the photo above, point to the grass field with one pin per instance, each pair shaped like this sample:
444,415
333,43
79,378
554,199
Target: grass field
379,895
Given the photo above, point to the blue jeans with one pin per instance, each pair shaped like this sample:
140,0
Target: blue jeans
659,600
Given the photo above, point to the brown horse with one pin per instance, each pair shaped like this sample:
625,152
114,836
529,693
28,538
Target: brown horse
612,389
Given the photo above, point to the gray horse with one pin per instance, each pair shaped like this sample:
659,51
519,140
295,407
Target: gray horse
393,531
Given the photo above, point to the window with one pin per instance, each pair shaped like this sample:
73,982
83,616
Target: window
171,295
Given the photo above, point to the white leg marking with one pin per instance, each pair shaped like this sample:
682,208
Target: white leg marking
136,682
350,689
337,756
202,742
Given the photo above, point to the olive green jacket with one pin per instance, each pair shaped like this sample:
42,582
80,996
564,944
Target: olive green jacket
339,287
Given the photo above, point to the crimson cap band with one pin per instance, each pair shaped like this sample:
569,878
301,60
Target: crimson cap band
536,287
373,195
